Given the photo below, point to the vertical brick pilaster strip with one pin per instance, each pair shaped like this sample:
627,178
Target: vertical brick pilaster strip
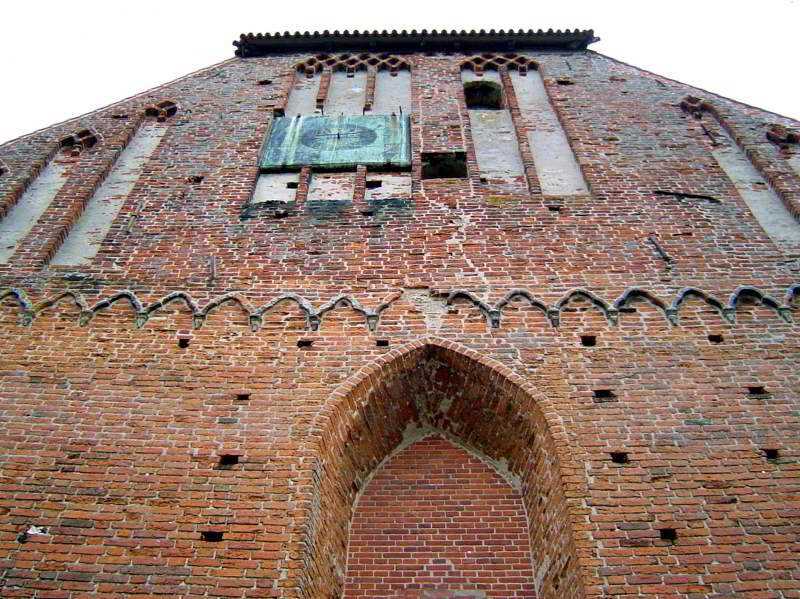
519,128
286,89
360,187
303,183
324,86
369,93
416,132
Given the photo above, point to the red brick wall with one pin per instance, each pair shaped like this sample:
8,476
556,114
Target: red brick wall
111,433
437,517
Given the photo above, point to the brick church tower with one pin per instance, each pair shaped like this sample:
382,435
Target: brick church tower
421,315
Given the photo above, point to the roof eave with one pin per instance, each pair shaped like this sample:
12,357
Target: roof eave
404,42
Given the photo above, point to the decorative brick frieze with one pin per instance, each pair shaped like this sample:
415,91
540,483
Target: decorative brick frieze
351,62
492,312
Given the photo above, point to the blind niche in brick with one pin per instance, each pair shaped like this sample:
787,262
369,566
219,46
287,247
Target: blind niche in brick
493,133
32,205
556,167
87,235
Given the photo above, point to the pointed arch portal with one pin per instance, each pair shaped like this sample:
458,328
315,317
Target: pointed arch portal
472,411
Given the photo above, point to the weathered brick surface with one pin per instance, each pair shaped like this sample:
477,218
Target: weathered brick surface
436,516
112,432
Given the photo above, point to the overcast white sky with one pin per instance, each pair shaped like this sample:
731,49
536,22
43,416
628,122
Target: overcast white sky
64,58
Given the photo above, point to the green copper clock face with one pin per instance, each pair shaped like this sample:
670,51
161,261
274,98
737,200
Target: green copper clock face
338,142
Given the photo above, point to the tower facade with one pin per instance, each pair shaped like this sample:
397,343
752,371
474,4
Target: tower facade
425,315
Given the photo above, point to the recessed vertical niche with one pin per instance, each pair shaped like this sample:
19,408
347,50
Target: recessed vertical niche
344,84
556,167
86,236
753,186
493,134
392,92
32,204
346,94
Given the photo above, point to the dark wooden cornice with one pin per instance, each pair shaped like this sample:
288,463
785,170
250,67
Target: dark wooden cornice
250,44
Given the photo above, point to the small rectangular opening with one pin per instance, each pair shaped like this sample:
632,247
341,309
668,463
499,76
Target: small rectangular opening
483,95
291,185
771,454
757,391
242,397
382,343
668,534
619,457
183,342
444,165
227,461
212,536
374,184
303,343
715,339
86,138
588,340
604,395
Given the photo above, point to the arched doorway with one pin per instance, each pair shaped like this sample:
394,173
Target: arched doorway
425,387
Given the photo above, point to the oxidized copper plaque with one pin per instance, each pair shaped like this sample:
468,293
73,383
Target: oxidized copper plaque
338,142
